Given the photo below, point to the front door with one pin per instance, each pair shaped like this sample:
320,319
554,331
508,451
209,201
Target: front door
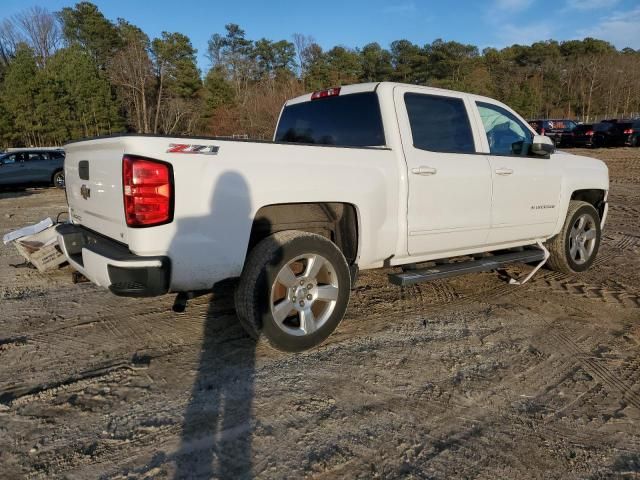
13,169
449,199
526,187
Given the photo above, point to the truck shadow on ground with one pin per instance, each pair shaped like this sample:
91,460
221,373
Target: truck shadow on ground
218,423
217,430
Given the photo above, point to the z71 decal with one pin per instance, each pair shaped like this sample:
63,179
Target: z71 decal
186,148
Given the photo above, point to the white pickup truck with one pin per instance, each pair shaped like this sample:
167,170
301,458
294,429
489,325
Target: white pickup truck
358,177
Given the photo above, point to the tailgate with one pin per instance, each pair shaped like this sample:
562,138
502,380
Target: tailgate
93,176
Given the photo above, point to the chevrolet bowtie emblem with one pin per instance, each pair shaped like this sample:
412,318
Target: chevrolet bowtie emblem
85,192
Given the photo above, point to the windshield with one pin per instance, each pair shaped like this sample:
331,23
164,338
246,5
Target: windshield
346,120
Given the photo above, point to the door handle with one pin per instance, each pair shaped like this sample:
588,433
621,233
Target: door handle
422,170
504,171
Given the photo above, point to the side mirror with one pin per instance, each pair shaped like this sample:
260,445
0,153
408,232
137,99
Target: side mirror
542,146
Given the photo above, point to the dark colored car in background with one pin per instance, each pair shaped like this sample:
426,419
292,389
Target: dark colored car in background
633,138
627,132
617,133
559,130
583,135
22,167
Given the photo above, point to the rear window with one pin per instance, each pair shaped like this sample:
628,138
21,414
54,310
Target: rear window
349,120
439,124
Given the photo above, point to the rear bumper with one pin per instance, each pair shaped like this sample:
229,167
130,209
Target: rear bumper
111,265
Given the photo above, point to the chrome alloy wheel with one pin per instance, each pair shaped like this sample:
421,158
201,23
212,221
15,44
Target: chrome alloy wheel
304,294
582,239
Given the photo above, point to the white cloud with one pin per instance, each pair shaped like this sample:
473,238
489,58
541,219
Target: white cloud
589,4
620,28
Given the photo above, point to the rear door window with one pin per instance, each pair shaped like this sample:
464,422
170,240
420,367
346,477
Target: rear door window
38,156
439,124
352,120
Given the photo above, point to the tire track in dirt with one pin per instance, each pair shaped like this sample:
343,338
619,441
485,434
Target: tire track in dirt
624,297
594,368
16,393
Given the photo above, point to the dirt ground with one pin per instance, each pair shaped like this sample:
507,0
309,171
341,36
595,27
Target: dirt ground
469,377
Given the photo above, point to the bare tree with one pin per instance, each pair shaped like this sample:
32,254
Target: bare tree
302,43
10,37
131,71
37,27
42,30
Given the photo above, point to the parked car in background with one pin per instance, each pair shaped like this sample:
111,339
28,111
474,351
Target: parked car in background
626,133
22,167
634,134
616,133
583,135
559,130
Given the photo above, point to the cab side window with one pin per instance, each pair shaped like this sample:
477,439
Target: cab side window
505,133
439,124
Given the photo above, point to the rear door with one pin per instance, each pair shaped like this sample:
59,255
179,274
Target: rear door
449,198
38,166
526,188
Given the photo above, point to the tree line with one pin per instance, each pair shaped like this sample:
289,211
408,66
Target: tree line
74,73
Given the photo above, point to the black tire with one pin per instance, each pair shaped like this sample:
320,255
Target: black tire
58,179
254,294
560,246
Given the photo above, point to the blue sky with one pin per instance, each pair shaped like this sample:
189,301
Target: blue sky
495,23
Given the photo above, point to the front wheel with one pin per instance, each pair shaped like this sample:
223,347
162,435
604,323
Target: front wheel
574,249
294,290
58,179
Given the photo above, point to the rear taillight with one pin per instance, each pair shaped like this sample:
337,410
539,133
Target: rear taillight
628,131
148,191
331,92
589,133
542,131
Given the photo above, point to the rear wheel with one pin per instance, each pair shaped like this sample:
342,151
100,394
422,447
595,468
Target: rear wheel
575,248
294,290
58,179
